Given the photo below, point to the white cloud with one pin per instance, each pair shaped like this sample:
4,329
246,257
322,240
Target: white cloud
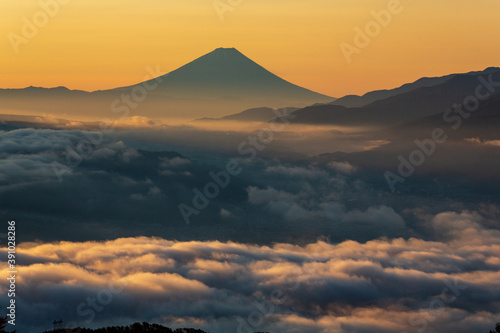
342,167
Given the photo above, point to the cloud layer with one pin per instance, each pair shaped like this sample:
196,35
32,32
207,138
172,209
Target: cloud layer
384,285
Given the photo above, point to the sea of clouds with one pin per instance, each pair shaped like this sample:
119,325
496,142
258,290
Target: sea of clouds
294,243
383,285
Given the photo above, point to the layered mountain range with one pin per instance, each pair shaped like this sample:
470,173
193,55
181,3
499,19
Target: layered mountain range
403,105
226,85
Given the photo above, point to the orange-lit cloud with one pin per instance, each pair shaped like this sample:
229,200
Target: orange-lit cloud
382,285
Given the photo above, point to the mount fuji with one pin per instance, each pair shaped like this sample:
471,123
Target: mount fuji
226,73
219,83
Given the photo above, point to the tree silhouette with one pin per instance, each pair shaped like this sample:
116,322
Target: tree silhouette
3,324
134,328
497,328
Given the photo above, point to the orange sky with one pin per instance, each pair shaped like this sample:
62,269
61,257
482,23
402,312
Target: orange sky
95,44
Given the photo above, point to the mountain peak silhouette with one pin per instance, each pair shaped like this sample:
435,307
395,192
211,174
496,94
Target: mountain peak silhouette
226,73
219,83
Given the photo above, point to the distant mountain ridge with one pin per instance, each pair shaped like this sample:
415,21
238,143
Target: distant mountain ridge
482,123
351,101
224,81
255,114
400,108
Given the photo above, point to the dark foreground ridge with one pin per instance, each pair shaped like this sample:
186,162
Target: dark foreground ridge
156,328
134,328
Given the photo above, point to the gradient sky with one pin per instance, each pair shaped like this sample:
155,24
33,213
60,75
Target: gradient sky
95,44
